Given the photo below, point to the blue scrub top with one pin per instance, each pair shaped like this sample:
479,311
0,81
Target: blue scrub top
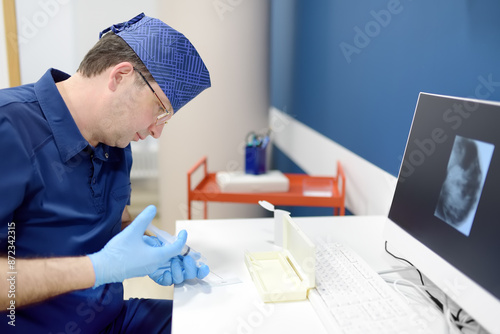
63,197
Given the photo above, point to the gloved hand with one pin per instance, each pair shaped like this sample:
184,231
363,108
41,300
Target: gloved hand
178,270
127,255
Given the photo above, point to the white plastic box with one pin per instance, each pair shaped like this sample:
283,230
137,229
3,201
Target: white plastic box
285,275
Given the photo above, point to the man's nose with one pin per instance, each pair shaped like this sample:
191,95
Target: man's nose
155,130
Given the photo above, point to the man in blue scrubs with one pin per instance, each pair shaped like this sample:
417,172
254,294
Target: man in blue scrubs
67,241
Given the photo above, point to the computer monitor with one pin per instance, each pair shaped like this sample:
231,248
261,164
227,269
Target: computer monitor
445,214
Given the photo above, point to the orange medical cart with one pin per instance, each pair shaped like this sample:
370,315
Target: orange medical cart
208,190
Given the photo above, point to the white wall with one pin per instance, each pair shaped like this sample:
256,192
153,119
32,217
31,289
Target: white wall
4,74
233,41
45,36
58,33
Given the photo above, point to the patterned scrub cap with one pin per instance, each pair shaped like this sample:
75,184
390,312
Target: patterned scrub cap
171,59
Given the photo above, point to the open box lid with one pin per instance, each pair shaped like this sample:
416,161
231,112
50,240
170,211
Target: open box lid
287,274
301,251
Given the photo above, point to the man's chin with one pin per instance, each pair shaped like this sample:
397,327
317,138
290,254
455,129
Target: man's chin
121,144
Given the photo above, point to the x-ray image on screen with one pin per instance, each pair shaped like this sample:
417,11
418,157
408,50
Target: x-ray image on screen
462,187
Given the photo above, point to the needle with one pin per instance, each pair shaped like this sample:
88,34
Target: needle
216,274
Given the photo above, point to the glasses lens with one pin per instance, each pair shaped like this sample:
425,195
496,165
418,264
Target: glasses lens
163,118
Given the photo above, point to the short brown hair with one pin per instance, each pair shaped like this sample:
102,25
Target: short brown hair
109,51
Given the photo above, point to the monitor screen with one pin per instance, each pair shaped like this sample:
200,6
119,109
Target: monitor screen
444,214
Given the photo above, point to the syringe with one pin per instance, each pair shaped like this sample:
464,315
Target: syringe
167,238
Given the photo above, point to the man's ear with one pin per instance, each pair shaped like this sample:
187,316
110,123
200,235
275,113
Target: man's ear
119,73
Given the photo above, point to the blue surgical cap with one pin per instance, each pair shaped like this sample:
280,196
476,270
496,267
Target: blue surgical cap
171,59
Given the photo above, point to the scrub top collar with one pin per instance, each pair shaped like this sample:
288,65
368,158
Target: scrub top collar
67,136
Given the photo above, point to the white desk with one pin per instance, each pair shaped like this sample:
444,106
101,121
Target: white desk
237,308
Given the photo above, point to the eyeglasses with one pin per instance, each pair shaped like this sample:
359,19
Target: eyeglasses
165,115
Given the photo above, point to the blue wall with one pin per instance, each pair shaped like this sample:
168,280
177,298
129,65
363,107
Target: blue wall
352,70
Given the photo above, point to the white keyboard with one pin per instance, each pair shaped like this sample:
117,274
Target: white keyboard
350,297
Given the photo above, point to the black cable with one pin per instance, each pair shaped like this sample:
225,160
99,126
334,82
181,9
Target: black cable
434,299
457,318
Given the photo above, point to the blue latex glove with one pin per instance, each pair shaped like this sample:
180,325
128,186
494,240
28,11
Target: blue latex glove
127,255
178,270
